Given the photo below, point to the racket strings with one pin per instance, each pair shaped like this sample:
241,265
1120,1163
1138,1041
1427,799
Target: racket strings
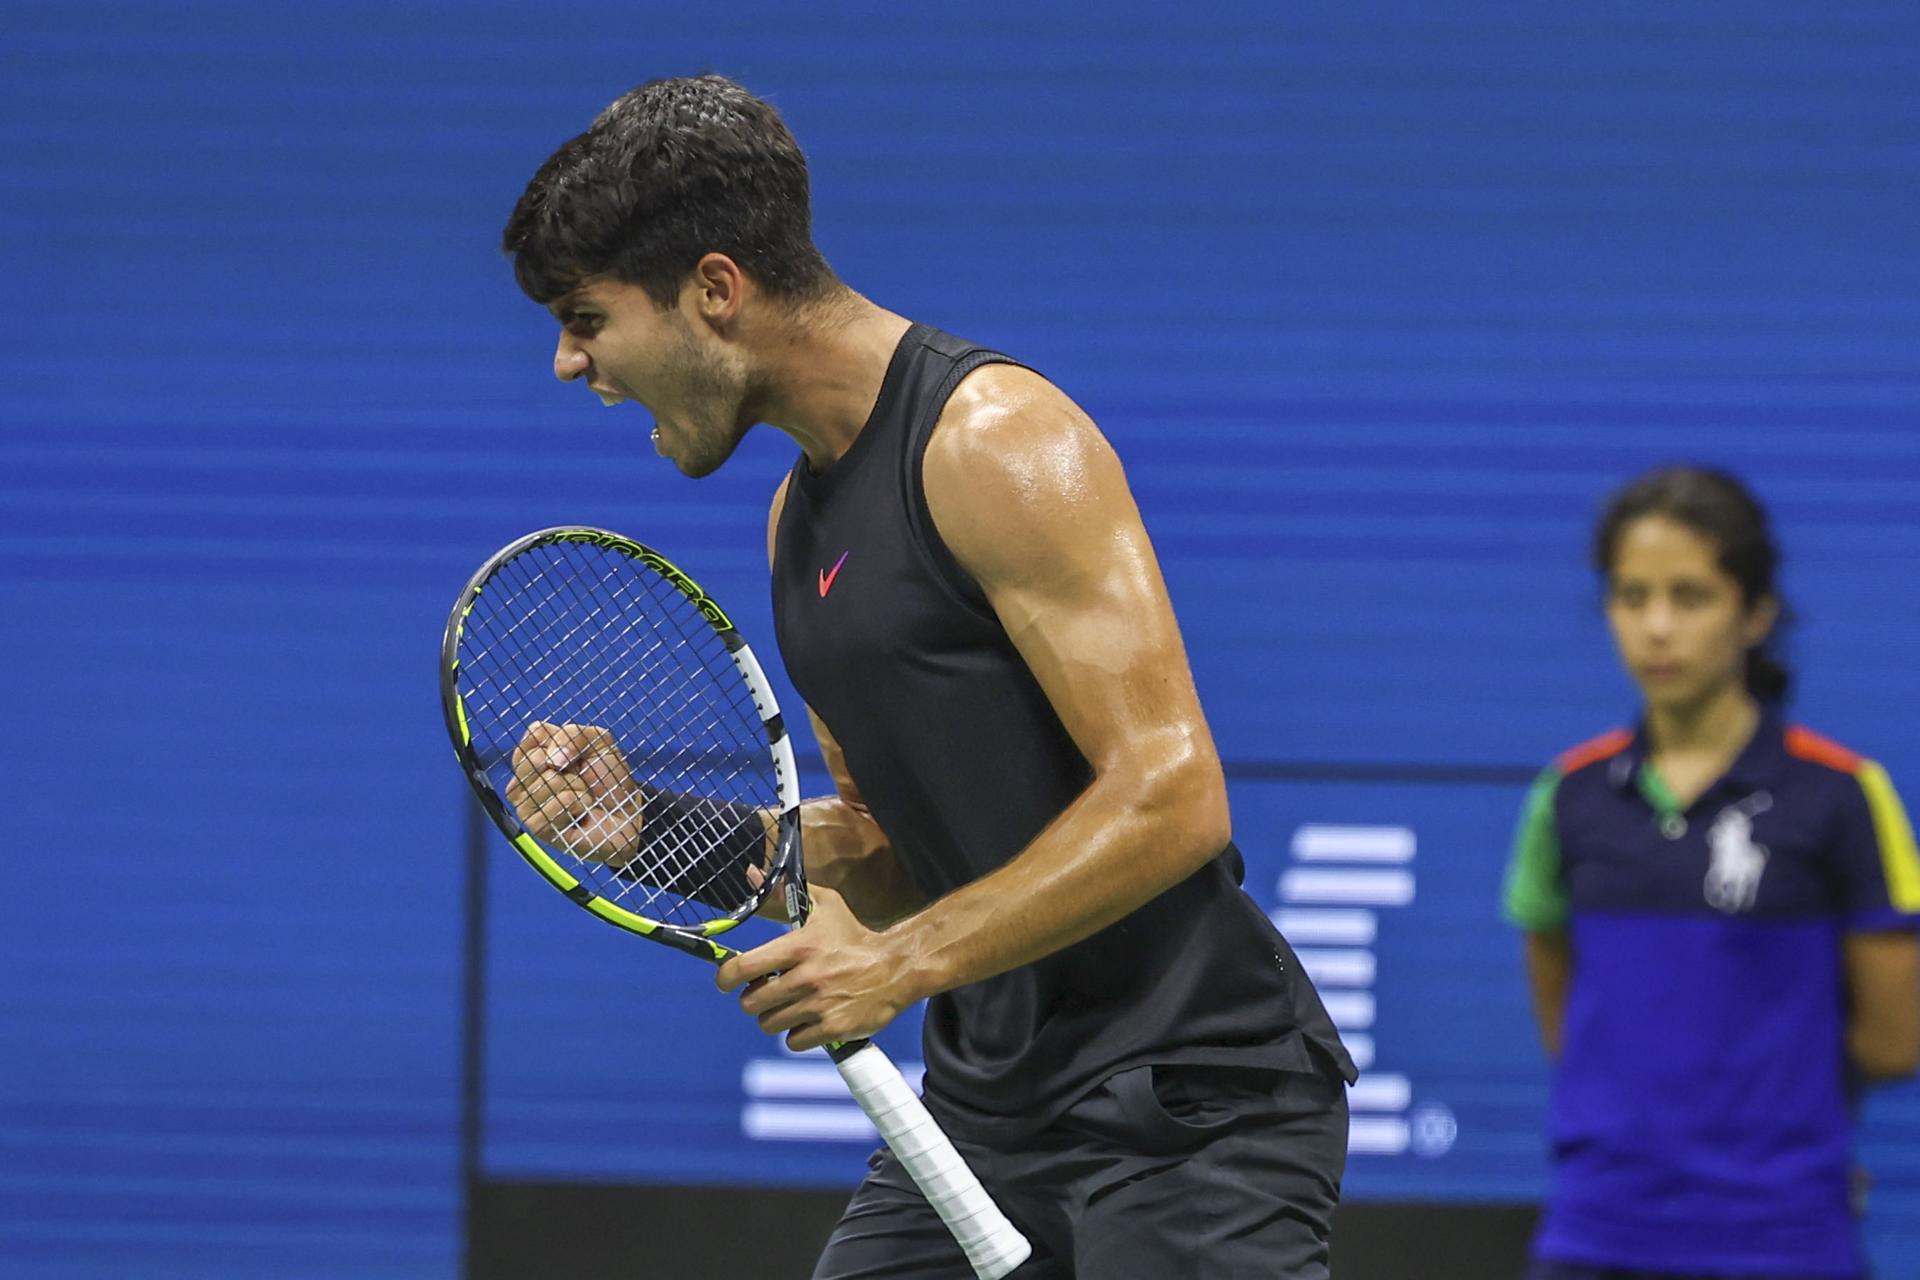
574,634
677,771
676,857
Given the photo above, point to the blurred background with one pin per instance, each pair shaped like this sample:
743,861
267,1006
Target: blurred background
1376,301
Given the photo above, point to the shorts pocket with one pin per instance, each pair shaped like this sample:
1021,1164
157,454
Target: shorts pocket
1178,1107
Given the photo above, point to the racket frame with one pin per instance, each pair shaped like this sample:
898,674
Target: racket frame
783,869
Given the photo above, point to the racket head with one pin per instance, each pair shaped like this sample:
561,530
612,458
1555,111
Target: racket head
625,659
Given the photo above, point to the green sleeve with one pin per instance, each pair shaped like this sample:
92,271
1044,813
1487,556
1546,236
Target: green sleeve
1536,897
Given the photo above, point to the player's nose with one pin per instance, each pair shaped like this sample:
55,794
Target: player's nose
569,361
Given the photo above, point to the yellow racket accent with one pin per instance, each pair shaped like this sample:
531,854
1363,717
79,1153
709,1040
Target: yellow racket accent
619,915
613,913
543,863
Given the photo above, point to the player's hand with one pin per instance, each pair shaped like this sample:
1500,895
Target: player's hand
572,788
831,980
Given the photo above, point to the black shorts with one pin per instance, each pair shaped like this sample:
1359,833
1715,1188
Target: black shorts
1205,1173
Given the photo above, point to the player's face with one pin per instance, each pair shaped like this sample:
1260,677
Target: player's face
623,347
1682,624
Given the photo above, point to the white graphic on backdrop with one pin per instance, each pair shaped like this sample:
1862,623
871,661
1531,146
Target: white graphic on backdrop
1330,901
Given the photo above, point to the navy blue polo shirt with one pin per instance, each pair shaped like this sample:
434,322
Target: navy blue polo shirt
1699,1118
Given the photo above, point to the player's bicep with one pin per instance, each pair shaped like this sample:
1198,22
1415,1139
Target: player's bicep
1033,502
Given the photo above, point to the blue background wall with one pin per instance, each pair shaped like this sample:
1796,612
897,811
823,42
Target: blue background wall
1376,301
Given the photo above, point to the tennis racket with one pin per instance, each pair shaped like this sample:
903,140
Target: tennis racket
620,732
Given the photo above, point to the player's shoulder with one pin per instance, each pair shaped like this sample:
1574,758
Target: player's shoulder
1009,442
1006,415
1015,465
1595,750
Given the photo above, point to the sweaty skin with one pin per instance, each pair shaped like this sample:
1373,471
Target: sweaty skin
1033,503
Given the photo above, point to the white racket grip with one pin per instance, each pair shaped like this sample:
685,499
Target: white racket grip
992,1244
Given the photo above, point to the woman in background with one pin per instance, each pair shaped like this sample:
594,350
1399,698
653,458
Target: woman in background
1720,912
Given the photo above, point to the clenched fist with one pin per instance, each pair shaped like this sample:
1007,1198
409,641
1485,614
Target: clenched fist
572,789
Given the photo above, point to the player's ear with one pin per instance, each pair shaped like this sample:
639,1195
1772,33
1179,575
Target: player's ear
716,289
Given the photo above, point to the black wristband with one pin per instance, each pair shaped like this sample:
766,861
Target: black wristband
699,848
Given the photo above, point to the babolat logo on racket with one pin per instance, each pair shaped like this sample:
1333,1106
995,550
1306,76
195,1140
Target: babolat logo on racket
601,538
659,564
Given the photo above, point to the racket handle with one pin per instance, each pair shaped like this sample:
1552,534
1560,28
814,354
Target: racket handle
992,1244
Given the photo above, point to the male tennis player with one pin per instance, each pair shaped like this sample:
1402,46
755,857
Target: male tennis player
1031,828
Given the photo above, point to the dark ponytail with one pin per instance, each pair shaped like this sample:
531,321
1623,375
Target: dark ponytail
1715,505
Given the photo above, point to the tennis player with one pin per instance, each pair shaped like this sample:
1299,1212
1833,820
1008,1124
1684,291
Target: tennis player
1720,913
1031,828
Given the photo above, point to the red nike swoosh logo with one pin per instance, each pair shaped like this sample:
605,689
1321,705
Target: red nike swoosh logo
826,578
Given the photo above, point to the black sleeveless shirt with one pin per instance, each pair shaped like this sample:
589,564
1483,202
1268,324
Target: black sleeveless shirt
963,761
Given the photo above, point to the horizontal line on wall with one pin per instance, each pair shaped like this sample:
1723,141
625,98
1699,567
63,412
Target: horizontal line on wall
1326,926
1324,885
1325,842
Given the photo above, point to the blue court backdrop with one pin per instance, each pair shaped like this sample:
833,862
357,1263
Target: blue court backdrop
1375,301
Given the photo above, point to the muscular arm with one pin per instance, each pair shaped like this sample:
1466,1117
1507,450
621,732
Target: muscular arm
1883,1004
1032,501
1549,970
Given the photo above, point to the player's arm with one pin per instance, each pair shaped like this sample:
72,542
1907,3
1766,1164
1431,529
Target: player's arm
1033,503
1883,1003
1549,972
845,849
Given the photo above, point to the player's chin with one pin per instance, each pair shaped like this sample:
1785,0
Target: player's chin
702,455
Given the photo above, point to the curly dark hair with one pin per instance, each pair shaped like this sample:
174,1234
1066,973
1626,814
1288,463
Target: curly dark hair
669,172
